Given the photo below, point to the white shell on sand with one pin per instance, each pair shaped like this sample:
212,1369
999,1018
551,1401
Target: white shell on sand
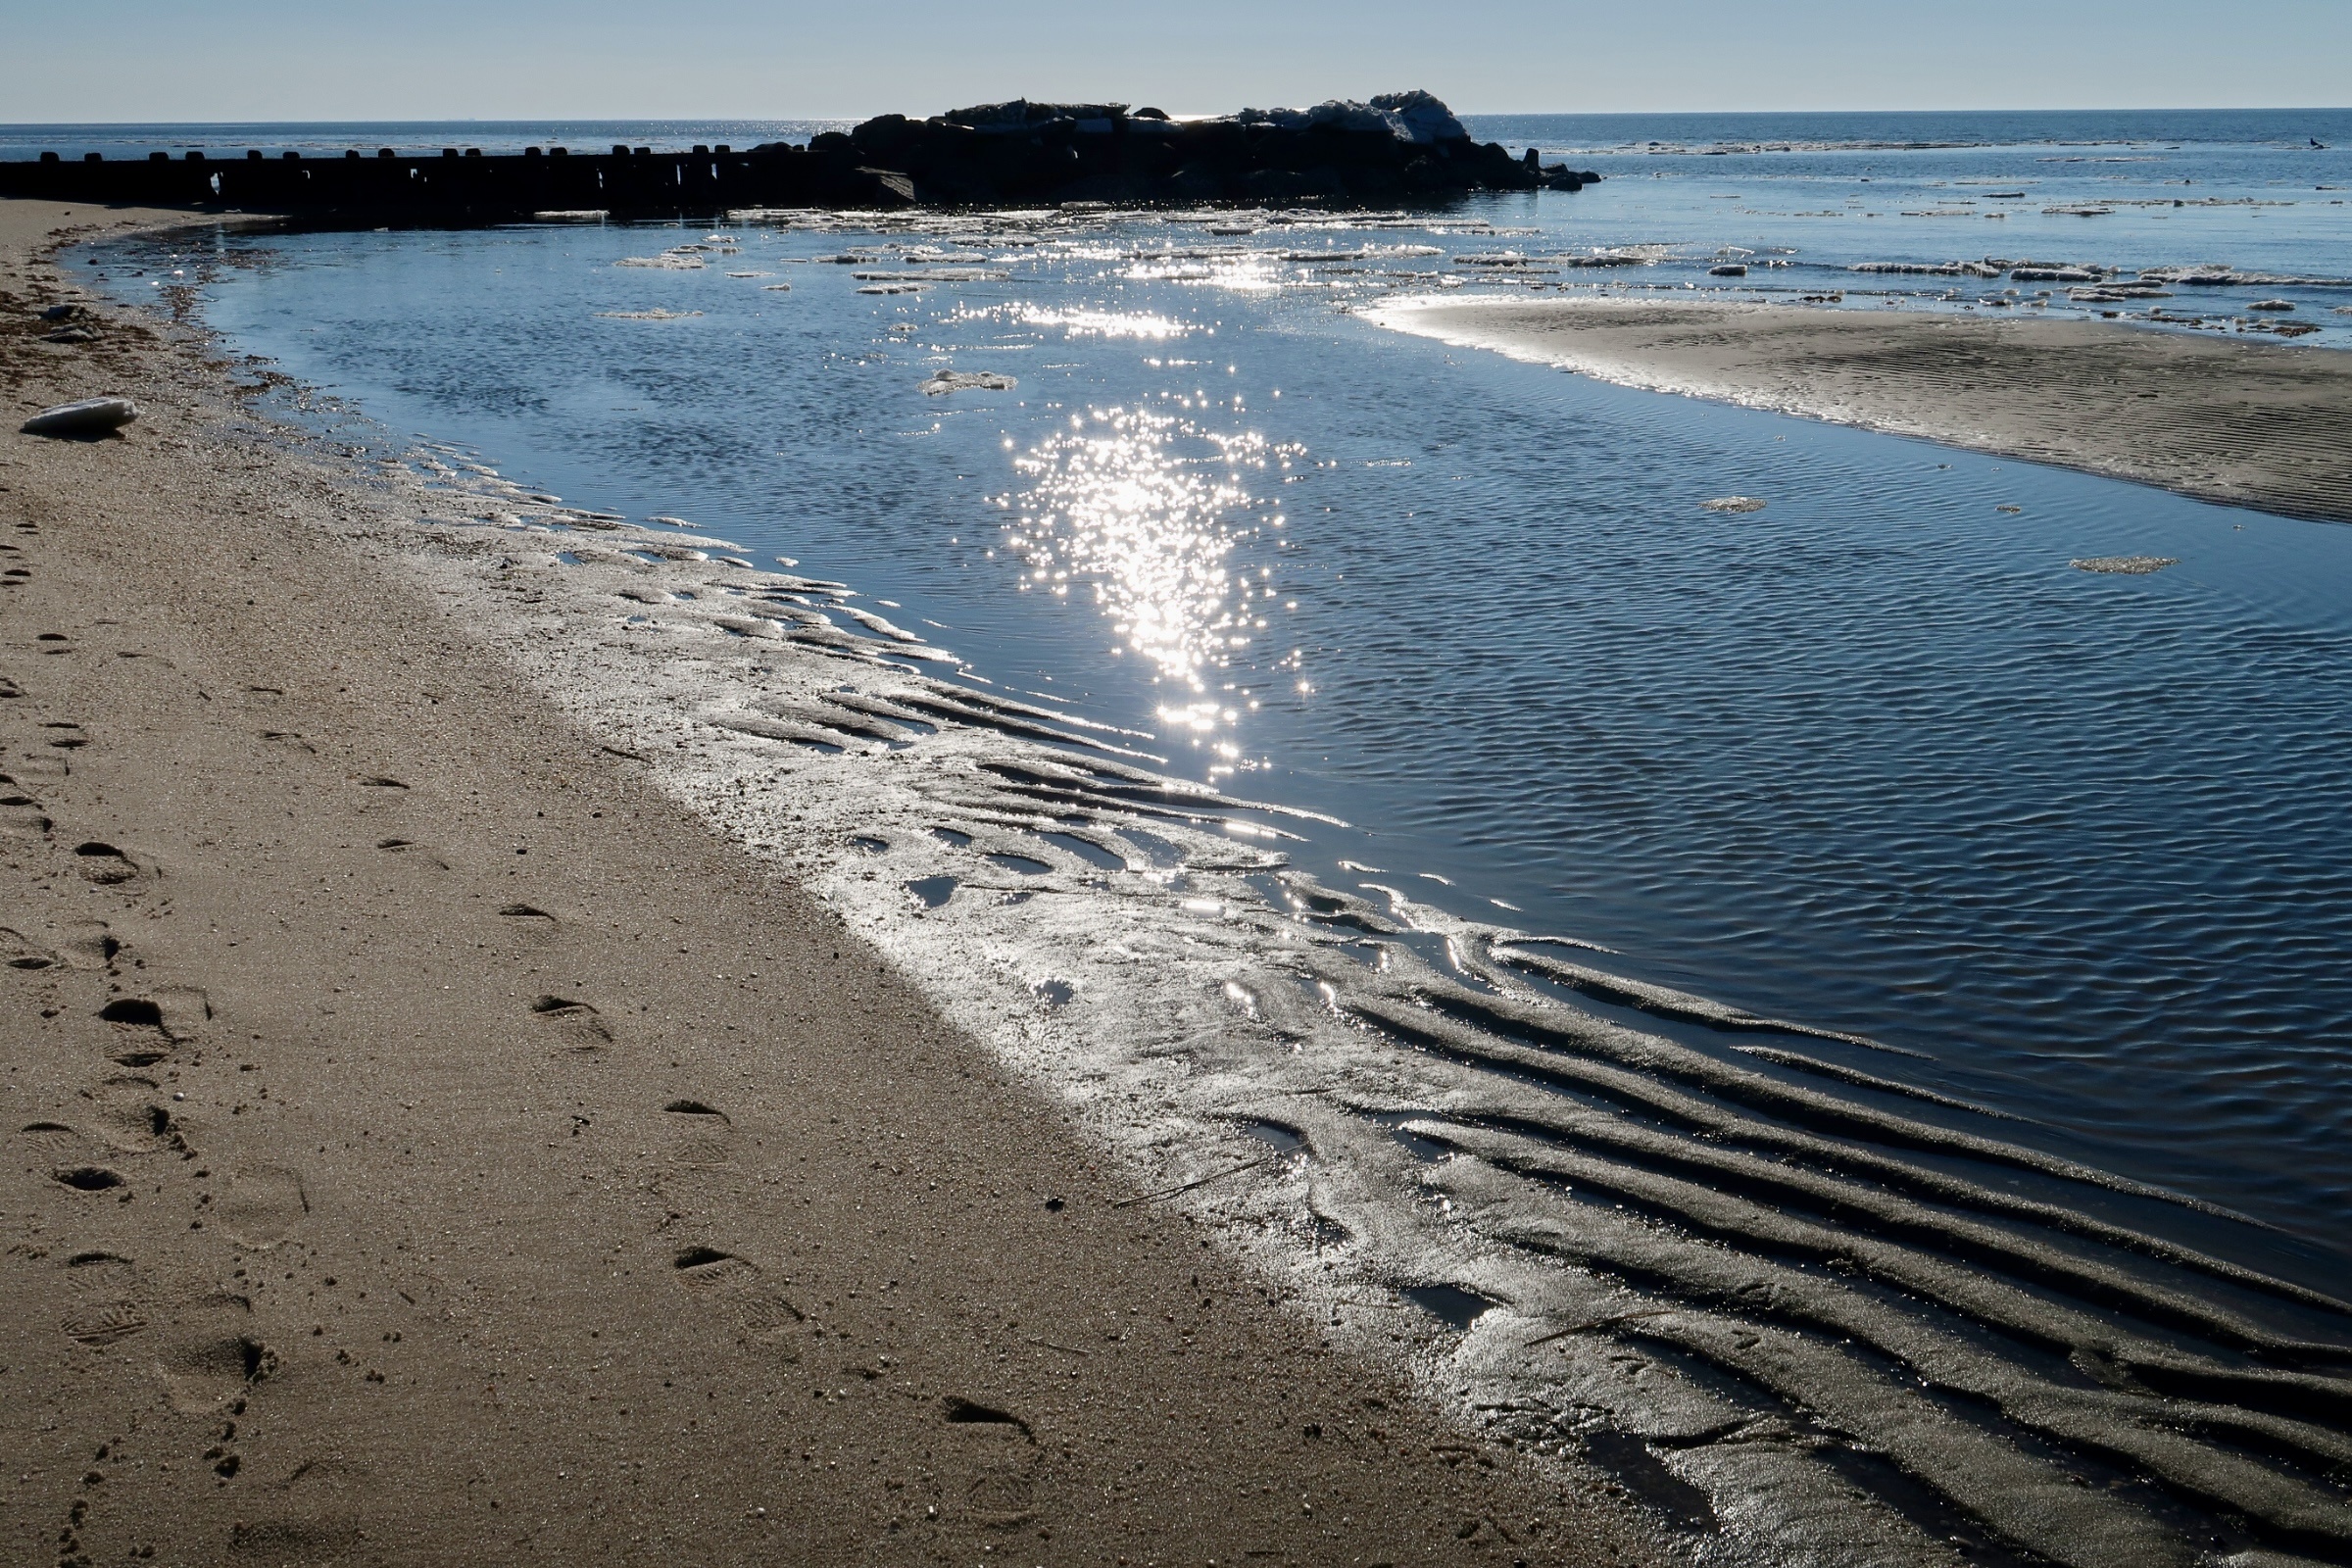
89,417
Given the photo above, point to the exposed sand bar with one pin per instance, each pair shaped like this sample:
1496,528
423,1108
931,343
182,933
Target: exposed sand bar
2254,424
440,1146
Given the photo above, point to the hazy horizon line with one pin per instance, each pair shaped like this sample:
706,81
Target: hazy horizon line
1483,114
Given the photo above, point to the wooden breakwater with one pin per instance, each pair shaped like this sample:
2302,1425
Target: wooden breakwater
1018,152
458,185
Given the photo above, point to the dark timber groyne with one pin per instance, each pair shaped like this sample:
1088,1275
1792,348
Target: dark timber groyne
1399,148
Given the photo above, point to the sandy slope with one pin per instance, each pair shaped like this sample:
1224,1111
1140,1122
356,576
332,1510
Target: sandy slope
2253,424
437,1147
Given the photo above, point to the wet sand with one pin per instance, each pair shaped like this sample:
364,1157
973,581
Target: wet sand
2248,424
432,1144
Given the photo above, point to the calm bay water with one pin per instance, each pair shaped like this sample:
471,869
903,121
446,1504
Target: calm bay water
1876,757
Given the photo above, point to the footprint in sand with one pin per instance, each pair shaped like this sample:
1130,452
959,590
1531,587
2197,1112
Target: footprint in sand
89,944
576,1024
705,1135
529,925
130,1113
413,850
20,952
732,1286
149,1028
109,864
987,1460
44,768
295,1540
57,1145
210,1354
261,1206
21,815
104,1302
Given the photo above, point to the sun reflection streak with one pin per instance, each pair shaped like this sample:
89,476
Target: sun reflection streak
1149,509
1077,322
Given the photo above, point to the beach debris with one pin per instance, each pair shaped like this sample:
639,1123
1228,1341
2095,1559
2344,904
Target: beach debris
1729,270
91,416
655,315
1733,504
2125,565
944,381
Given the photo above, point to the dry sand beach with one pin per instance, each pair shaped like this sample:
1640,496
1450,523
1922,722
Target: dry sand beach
433,1144
2250,425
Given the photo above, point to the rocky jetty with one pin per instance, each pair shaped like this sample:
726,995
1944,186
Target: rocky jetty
1399,148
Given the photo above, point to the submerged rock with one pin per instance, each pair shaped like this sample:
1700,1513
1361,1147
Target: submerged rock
1733,504
2125,565
88,417
965,381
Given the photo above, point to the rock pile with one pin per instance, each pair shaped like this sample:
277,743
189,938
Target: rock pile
1398,147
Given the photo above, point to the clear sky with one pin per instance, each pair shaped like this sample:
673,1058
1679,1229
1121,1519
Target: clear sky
173,60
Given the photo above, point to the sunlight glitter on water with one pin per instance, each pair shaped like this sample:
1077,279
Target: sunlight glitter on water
1088,323
1148,507
1242,272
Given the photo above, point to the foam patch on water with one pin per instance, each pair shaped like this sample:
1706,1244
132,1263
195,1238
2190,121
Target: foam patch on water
1802,1311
